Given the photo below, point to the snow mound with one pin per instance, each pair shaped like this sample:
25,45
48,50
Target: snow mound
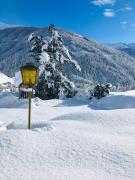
5,79
122,100
11,100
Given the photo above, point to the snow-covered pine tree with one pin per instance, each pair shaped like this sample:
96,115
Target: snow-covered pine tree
100,91
36,49
50,57
42,60
60,56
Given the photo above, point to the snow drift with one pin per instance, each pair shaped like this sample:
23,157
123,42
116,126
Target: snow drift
69,140
121,100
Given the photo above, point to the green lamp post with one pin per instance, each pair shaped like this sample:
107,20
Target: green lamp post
29,74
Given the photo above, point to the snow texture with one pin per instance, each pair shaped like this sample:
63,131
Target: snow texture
70,139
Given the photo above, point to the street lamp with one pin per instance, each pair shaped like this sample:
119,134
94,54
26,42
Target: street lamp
29,74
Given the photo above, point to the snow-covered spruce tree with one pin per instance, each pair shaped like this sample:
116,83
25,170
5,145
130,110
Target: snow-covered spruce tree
36,53
50,58
42,60
60,56
36,49
101,91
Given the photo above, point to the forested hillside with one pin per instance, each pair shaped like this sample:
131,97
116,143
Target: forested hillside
99,63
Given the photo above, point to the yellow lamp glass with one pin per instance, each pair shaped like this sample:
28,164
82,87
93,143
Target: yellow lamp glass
29,74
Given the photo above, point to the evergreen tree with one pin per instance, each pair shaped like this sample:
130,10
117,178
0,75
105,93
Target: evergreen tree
51,57
40,59
60,56
36,49
101,91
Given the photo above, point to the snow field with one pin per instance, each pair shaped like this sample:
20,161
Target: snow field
70,139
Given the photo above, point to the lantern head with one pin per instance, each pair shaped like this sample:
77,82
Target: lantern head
29,74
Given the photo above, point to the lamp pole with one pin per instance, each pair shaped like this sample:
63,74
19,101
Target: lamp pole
29,114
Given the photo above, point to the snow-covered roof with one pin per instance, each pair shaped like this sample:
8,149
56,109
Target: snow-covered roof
5,79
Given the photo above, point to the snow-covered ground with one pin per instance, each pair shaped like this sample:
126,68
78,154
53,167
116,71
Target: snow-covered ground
70,139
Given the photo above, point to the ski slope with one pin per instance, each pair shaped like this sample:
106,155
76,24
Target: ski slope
70,139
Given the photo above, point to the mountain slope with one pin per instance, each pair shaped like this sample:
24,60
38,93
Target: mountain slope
127,48
99,63
5,26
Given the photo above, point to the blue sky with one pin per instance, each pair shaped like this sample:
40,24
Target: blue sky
103,20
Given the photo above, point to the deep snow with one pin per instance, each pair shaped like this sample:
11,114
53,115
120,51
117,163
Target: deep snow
69,140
